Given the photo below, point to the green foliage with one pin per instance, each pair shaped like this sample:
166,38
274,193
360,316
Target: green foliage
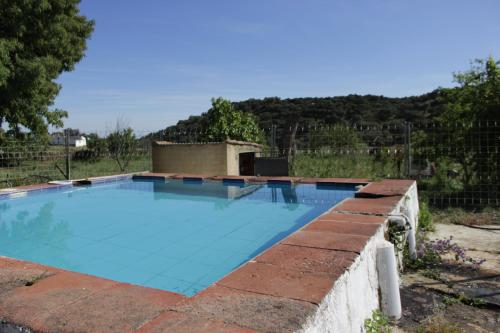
225,122
378,323
477,99
460,154
425,221
39,40
96,144
464,299
324,163
122,144
337,136
478,95
396,235
427,258
331,110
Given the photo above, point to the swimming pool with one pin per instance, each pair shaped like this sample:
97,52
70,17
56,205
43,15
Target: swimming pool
180,236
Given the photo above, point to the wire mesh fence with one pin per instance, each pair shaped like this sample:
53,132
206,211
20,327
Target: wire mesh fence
455,164
24,162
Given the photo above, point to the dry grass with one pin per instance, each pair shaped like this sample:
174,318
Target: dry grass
462,217
438,325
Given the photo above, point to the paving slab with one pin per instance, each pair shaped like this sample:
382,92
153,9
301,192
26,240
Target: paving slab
276,281
375,206
334,180
386,187
187,176
352,218
121,308
279,179
343,228
234,178
327,240
36,187
24,304
153,175
308,260
260,312
13,277
177,322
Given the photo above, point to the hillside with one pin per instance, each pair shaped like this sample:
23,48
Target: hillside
351,109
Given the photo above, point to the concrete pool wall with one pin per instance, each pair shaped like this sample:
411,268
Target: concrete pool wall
355,294
321,278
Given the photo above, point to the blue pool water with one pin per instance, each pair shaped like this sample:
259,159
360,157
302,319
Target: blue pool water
177,236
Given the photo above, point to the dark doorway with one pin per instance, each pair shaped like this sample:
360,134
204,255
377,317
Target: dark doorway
247,161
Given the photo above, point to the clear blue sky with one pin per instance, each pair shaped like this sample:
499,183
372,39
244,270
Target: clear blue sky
154,62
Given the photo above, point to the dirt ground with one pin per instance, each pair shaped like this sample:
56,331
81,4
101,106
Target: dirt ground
455,298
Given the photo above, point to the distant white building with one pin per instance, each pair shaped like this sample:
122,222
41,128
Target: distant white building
74,141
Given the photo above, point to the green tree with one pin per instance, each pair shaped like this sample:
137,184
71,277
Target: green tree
461,151
226,122
96,145
478,95
39,40
122,145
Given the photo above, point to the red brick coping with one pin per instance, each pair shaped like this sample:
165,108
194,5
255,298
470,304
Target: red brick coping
275,292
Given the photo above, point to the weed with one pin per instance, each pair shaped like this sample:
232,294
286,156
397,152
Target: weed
425,220
378,323
396,235
462,298
429,254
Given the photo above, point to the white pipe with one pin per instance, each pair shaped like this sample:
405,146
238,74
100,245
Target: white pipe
388,280
412,244
412,236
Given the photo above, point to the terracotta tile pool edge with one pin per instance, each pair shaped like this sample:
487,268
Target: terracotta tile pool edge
261,279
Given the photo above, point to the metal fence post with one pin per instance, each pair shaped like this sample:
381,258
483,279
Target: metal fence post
408,148
68,157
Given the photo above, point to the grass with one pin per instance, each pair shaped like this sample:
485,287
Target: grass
31,172
348,166
108,166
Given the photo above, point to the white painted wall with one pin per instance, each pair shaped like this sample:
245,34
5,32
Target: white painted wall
353,297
